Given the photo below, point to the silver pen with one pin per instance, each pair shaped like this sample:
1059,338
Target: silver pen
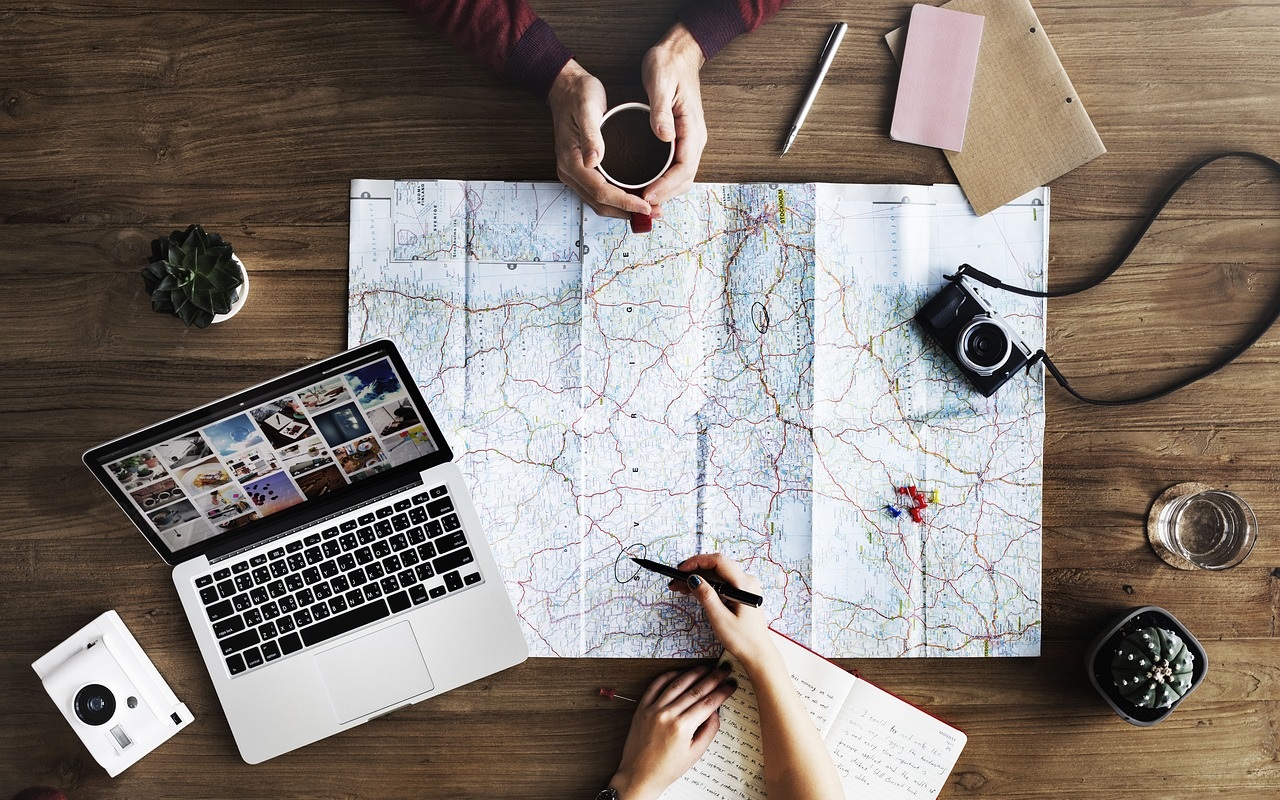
824,63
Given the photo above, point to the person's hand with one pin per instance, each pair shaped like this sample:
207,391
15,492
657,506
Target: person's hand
670,73
578,101
675,721
742,629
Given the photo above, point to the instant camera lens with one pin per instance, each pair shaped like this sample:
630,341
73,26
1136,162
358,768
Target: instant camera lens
95,704
984,345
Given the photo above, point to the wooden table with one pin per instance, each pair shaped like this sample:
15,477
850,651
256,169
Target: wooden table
120,122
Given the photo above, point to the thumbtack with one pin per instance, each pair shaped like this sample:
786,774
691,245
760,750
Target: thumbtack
612,695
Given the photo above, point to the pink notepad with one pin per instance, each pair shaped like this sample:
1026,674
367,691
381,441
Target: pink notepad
938,64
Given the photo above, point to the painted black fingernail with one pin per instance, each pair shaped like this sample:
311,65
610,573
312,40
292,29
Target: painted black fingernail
725,666
694,581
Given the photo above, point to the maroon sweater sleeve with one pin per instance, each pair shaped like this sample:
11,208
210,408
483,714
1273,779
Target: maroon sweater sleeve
715,23
504,35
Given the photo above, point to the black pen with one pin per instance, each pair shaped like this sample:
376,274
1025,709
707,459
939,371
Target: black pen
722,588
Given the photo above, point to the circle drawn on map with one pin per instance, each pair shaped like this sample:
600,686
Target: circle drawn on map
760,317
624,569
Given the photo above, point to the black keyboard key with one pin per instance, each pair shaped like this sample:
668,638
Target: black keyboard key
416,536
330,549
279,569
450,541
226,588
328,569
320,611
440,491
348,542
471,579
385,511
454,581
253,658
342,623
288,604
276,553
244,582
294,546
346,562
258,560
261,575
406,579
398,542
365,535
427,550
209,594
372,592
204,580
329,533
374,571
258,595
219,611
451,522
398,602
349,525
389,584
338,604
420,498
313,554
296,562
311,575
381,549
424,571
237,568
354,597
267,630
285,624
241,602
409,557
434,528
234,644
312,540
364,555
226,627
366,519
340,583
418,594
402,505
453,560
291,643
357,577
270,651
294,582
222,574
392,564
276,588
437,591
400,522
305,597
439,508
253,617
417,516
270,611
235,664
323,592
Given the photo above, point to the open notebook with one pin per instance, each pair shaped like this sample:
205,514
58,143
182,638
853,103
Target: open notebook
884,748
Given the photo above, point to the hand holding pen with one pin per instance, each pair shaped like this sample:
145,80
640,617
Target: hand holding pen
740,627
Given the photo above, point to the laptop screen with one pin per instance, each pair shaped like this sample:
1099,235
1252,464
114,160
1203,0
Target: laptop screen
274,457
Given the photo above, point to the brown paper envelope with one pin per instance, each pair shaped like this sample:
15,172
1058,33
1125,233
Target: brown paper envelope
1026,124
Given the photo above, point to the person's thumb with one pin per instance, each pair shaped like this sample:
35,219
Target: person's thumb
707,597
661,118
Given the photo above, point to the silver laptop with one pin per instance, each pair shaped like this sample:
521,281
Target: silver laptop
324,545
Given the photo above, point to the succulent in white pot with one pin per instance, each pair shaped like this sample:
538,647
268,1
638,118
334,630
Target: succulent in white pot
196,276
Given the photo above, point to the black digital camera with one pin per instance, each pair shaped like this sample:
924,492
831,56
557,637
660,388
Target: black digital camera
978,339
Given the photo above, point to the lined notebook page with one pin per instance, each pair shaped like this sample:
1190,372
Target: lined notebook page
883,747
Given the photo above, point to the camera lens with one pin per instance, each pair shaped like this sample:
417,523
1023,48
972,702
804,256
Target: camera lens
95,704
983,346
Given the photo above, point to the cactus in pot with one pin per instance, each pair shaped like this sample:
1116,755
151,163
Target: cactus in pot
1152,667
195,276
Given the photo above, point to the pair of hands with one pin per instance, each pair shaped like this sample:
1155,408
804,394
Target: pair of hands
577,99
677,716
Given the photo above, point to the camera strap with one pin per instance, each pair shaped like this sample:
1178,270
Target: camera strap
966,270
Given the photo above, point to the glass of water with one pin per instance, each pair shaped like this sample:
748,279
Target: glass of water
1211,529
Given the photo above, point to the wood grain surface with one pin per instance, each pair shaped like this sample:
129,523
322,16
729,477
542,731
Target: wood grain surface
120,121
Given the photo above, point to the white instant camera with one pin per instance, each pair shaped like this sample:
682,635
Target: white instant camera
111,693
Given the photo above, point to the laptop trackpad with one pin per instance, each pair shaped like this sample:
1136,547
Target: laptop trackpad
374,672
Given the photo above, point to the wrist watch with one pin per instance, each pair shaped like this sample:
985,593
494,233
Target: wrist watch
608,794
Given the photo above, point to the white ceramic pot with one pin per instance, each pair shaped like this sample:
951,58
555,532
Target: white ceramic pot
241,295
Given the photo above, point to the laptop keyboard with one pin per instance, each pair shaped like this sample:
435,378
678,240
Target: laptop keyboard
312,588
